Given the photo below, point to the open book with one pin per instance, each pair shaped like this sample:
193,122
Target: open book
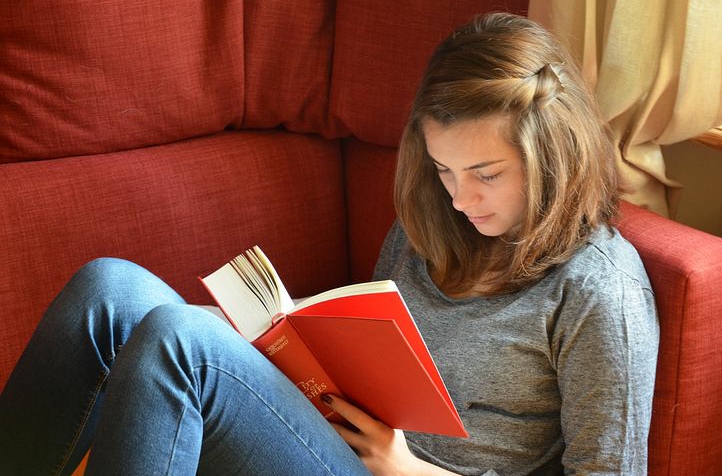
359,342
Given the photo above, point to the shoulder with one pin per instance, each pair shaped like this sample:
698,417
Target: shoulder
392,248
607,259
603,290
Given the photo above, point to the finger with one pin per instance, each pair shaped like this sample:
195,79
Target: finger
354,439
354,415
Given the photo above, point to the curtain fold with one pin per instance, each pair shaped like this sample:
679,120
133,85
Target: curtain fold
656,68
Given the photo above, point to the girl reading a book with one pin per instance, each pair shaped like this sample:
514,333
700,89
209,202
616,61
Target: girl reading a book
537,312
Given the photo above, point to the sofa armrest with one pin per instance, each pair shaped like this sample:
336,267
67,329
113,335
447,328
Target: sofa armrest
685,268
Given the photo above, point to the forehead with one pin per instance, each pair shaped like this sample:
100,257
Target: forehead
470,139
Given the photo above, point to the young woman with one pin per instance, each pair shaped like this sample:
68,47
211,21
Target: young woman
539,315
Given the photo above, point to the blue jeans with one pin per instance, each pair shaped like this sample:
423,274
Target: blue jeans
156,386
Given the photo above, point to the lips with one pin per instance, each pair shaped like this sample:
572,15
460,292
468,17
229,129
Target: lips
480,219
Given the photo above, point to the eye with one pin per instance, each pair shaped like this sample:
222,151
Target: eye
440,169
489,178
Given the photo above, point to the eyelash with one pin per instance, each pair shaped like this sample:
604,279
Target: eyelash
489,178
482,177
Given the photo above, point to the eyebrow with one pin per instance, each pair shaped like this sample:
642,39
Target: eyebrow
480,165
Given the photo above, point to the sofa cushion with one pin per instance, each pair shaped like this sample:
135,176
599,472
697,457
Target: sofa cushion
288,54
83,77
180,210
380,53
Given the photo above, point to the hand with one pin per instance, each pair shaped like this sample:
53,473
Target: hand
381,448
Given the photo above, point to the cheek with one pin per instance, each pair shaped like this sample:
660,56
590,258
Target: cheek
516,198
520,200
521,205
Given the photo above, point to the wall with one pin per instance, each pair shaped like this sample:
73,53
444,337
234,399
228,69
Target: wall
699,168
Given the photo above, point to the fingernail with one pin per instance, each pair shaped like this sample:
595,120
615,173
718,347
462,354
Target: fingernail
327,399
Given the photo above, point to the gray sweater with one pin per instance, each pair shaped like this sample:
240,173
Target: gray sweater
554,379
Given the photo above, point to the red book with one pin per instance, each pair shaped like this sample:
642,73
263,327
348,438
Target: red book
359,342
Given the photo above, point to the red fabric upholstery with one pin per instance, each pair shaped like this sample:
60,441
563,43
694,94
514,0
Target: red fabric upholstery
83,77
369,191
180,210
685,268
289,51
381,50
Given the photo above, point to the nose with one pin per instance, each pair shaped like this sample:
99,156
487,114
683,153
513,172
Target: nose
465,195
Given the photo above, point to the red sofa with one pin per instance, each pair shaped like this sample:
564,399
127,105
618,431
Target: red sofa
176,134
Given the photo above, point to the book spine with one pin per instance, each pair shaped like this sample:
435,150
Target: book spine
282,345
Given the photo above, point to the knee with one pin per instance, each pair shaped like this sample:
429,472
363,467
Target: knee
109,279
176,322
102,273
185,328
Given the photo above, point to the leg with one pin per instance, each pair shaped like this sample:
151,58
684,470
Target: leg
188,394
49,407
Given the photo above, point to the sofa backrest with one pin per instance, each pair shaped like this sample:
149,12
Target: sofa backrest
81,78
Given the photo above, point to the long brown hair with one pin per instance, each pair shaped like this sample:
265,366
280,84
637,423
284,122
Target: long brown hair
503,64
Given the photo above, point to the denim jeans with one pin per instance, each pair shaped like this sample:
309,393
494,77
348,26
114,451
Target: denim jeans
156,386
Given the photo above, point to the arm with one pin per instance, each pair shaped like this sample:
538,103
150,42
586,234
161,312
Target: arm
382,449
605,347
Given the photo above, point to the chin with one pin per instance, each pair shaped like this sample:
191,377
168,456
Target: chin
490,232
497,231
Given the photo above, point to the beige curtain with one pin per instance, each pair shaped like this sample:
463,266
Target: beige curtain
656,67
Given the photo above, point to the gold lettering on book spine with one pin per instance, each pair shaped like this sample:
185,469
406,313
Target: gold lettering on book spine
311,389
277,345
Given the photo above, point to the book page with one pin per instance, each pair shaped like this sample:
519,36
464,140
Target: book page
241,306
350,290
283,300
249,292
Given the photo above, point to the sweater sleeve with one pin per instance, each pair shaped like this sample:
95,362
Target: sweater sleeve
605,349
